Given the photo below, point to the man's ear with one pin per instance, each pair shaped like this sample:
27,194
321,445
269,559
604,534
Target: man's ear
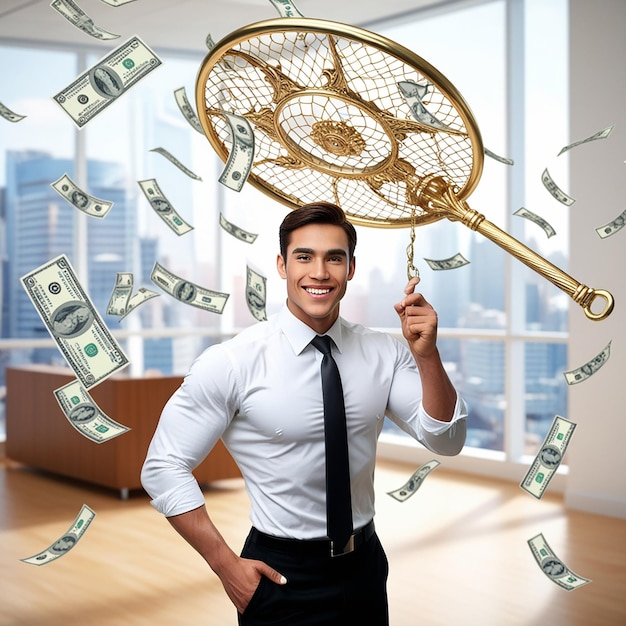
280,266
352,268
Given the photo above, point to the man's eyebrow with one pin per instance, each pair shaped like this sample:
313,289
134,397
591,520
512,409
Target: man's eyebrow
332,252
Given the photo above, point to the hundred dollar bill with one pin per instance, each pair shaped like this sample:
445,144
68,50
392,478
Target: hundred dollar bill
170,157
415,482
142,295
495,157
8,115
118,302
451,263
547,461
610,229
286,8
256,293
85,415
601,134
73,321
117,3
187,110
554,190
239,161
76,16
583,372
414,94
162,207
552,566
67,188
533,217
188,292
107,80
66,542
235,231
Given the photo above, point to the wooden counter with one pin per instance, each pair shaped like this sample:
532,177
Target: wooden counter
39,434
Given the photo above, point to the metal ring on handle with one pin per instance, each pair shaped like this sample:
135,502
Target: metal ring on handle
610,303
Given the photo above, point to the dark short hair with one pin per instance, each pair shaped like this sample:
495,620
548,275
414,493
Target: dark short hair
315,213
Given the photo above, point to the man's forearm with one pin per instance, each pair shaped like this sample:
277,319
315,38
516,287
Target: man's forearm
438,394
197,529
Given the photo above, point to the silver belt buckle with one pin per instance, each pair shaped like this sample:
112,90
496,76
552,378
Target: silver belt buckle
349,547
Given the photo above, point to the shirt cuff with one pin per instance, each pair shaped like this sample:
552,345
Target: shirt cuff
180,499
436,427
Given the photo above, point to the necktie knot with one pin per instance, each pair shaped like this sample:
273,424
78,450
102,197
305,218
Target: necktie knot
322,343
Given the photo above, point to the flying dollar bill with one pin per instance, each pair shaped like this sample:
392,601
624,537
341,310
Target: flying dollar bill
67,188
170,157
188,292
210,44
85,415
451,263
9,115
256,293
239,161
118,302
554,190
139,297
415,482
549,457
552,566
495,157
601,134
533,217
414,94
187,110
286,8
610,229
77,17
107,80
583,372
235,231
67,541
73,321
162,207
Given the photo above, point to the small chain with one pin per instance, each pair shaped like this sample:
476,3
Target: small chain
411,270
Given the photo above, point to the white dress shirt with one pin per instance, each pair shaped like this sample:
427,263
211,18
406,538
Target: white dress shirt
261,392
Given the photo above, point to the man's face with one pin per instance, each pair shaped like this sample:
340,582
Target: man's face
317,271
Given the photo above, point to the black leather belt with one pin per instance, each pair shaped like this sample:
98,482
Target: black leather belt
313,547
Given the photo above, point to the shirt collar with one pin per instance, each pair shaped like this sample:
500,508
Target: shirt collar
300,335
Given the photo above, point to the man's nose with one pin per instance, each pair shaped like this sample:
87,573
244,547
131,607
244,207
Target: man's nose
319,270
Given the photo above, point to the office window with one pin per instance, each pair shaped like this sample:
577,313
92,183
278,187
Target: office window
503,328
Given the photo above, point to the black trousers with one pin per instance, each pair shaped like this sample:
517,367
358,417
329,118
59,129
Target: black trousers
321,590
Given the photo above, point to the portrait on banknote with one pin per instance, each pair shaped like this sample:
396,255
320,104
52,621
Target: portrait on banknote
79,199
185,291
71,319
160,205
106,82
82,413
62,545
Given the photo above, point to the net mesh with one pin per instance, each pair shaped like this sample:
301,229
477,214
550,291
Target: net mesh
331,123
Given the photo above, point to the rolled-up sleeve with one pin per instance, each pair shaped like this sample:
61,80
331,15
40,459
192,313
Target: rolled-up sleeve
191,422
447,438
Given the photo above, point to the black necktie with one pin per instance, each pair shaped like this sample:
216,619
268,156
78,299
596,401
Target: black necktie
338,502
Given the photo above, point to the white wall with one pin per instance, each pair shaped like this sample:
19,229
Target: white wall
597,451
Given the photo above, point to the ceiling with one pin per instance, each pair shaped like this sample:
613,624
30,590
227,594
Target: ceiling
177,24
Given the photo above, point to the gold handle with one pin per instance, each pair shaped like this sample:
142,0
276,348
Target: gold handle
436,196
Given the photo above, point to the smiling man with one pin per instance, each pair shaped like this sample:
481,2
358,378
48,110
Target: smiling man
262,394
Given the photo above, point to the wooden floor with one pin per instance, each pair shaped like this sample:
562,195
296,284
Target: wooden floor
458,555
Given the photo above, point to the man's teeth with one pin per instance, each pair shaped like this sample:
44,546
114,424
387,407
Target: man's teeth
317,292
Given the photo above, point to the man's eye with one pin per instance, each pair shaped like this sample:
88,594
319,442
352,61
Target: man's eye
303,257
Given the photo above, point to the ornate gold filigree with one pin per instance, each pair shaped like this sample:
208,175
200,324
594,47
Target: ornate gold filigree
338,138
